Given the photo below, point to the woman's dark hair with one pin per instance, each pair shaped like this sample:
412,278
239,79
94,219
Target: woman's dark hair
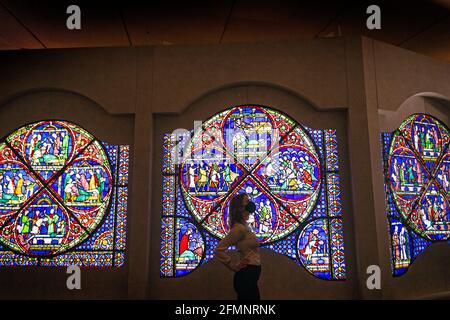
236,209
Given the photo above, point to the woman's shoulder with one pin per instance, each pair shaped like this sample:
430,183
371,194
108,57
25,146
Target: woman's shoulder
239,227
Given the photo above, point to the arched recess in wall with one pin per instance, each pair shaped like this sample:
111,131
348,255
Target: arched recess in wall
416,159
244,144
63,192
431,103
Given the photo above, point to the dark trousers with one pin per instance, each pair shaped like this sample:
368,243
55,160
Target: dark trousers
245,283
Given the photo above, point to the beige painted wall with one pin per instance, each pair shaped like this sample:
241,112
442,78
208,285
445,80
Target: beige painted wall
134,95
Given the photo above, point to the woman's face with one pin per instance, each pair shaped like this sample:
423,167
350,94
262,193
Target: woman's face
245,201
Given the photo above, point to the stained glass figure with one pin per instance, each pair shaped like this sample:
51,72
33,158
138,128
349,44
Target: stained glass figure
416,167
63,197
291,172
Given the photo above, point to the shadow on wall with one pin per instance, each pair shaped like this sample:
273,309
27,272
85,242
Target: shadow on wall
428,277
55,103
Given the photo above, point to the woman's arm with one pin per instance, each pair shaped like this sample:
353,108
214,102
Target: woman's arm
221,252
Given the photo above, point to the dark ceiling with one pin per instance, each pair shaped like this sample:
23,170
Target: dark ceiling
421,26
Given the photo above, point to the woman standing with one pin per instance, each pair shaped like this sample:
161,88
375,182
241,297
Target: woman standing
248,269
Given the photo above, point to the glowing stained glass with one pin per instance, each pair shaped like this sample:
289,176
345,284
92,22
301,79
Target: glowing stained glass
62,197
291,173
416,165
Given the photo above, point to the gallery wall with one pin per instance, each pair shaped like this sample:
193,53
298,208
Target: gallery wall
134,95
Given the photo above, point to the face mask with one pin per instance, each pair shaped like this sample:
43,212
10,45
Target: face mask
250,207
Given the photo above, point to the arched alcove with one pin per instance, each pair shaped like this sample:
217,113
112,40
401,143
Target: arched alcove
288,280
425,276
59,104
45,103
430,103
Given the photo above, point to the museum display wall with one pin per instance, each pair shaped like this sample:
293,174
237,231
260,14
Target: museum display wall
133,96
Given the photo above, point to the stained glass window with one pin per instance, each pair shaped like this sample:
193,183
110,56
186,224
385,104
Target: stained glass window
416,165
290,171
63,197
